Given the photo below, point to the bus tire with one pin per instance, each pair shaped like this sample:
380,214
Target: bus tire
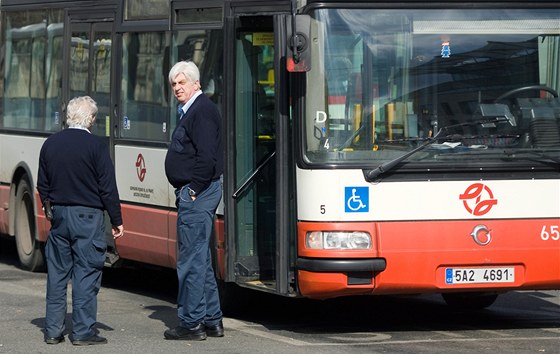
470,301
29,249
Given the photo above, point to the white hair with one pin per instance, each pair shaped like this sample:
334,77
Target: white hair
81,112
187,68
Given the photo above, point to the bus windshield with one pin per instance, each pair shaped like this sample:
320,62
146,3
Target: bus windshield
382,82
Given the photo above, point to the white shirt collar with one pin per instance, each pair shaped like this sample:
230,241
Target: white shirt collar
189,103
80,128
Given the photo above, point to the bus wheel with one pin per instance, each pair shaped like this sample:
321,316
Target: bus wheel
30,251
469,301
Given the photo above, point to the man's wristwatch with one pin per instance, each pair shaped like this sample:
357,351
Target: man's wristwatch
192,193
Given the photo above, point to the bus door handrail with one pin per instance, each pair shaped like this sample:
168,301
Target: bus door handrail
237,194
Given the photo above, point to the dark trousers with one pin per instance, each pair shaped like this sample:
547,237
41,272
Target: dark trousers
198,299
75,250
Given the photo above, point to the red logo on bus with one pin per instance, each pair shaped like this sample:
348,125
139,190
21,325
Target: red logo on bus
478,199
140,167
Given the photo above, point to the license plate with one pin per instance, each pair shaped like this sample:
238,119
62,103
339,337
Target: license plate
479,275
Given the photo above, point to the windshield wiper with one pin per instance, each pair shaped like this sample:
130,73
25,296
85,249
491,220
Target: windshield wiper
513,153
371,175
384,167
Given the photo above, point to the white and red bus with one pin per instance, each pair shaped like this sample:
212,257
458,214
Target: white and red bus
372,147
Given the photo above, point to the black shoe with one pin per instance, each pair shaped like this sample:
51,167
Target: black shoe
216,330
54,340
182,333
93,340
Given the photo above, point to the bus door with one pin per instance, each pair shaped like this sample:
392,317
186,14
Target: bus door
87,69
254,215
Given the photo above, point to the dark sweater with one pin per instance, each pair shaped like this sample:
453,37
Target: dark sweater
75,169
195,156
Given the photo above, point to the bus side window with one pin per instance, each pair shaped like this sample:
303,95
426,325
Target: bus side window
24,90
144,104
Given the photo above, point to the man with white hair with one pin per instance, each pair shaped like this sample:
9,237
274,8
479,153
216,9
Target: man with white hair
76,183
194,165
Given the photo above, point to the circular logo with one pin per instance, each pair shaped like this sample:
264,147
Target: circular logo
140,167
478,199
481,235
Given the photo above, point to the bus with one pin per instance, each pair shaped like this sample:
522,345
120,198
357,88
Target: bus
372,147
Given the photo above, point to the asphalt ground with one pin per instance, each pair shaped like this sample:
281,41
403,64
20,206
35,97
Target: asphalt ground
136,305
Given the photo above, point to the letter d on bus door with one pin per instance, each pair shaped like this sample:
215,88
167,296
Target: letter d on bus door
321,117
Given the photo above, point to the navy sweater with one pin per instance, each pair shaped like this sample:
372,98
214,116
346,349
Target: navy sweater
195,156
75,169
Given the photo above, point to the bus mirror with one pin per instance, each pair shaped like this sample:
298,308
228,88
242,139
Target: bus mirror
298,58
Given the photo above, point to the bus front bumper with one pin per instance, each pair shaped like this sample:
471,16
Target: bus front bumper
322,278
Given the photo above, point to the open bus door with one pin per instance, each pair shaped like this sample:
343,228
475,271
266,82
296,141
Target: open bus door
257,190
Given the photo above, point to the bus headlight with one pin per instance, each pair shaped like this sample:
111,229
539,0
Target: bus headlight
338,240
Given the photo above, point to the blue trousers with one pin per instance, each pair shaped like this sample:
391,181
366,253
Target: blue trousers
198,299
75,250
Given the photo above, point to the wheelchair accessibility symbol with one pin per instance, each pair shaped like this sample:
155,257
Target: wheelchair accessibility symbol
356,199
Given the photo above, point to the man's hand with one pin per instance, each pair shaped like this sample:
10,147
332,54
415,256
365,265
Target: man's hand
118,231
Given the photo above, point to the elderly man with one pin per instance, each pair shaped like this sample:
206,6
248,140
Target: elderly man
193,165
76,183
